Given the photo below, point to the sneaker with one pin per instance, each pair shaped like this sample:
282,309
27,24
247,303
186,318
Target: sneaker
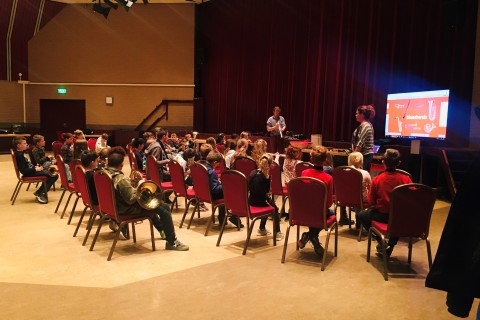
236,221
388,250
280,236
176,245
203,207
113,226
303,240
41,198
345,222
124,233
263,232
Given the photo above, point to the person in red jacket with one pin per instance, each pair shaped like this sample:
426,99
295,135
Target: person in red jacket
379,195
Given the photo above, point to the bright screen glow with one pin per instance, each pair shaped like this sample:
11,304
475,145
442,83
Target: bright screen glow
417,114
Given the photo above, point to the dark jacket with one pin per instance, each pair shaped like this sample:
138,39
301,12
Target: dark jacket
25,167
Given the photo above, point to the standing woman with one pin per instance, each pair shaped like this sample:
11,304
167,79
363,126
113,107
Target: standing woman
363,136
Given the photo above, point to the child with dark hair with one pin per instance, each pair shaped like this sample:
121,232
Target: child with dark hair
137,148
89,159
38,152
379,195
220,143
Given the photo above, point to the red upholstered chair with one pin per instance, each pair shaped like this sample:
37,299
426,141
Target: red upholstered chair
180,188
348,184
107,204
67,186
82,187
276,186
21,180
411,207
245,165
299,167
201,185
57,147
155,176
92,143
235,193
72,166
307,198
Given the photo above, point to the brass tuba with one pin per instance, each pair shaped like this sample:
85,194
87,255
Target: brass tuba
135,178
52,170
149,195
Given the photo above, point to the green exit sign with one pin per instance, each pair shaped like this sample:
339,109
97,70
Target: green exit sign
62,91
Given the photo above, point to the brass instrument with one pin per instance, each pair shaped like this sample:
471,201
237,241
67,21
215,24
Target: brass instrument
135,178
149,195
194,135
53,170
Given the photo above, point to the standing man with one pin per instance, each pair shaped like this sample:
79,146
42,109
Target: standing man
276,126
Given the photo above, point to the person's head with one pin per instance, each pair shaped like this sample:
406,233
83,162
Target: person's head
213,158
116,157
78,134
244,135
220,138
138,143
173,136
234,136
259,148
242,146
156,131
103,154
355,159
187,137
365,113
68,137
264,164
162,135
276,111
391,158
147,135
205,149
20,143
78,147
38,141
230,144
318,155
293,153
189,156
211,141
104,138
89,159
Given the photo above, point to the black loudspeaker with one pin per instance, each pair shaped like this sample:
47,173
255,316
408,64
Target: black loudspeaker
477,112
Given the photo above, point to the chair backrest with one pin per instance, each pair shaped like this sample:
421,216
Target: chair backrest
235,192
178,178
299,167
15,164
152,170
92,143
222,167
105,192
244,165
81,184
411,207
201,182
57,147
347,182
72,166
307,198
276,179
404,172
62,171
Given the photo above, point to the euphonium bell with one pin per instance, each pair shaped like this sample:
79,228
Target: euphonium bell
53,170
135,178
149,195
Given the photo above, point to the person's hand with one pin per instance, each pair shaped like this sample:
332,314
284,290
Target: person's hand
38,168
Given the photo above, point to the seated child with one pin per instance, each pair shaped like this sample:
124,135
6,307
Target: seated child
38,152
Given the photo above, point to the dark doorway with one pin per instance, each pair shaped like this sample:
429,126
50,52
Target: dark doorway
61,115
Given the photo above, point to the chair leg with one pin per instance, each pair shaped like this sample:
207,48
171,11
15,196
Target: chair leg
298,238
117,234
16,191
152,235
360,233
249,234
350,217
66,205
134,233
369,245
90,225
187,206
212,217
285,244
80,221
60,201
73,209
410,250
222,227
97,233
429,254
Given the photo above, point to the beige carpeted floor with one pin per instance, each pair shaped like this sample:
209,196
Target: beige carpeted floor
45,273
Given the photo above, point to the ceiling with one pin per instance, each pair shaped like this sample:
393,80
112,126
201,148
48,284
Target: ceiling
138,1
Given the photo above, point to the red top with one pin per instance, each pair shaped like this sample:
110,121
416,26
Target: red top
381,187
318,173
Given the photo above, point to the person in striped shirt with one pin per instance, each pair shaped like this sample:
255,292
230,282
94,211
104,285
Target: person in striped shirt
362,140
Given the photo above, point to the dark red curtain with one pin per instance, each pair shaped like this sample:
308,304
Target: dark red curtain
319,59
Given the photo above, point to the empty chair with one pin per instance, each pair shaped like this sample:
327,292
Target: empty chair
411,207
155,176
180,188
307,198
299,167
201,185
235,192
21,180
56,147
82,186
106,201
245,165
67,186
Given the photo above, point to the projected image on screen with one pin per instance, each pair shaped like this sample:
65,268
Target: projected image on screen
417,114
